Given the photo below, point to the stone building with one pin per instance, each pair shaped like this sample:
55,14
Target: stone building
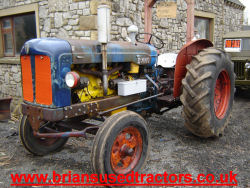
172,20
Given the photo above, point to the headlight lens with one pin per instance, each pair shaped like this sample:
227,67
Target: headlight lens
72,79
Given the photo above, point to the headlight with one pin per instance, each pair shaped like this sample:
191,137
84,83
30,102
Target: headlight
72,79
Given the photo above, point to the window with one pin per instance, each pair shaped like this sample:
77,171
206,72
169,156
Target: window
204,24
15,31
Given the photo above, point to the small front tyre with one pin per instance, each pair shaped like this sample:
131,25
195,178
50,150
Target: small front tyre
40,146
121,144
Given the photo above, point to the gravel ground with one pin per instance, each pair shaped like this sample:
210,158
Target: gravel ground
173,149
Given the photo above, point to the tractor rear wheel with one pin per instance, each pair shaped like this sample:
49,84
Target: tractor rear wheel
208,93
121,144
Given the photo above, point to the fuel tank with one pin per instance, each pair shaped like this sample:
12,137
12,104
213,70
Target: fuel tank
89,51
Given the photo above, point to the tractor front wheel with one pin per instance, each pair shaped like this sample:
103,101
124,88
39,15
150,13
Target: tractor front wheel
208,93
121,144
41,146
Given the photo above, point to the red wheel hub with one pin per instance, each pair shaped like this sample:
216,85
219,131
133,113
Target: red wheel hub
126,150
222,94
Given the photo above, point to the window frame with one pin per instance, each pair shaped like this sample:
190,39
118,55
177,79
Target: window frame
11,13
9,30
210,17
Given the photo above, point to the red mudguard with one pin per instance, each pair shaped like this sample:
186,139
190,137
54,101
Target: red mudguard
184,57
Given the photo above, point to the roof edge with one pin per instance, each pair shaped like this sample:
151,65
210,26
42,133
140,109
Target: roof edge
235,3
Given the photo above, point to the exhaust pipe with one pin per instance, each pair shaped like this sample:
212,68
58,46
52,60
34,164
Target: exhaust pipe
103,21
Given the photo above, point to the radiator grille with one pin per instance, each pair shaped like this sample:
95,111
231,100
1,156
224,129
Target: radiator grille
27,78
239,69
36,79
43,80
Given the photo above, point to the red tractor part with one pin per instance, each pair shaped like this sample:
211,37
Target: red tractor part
184,57
222,94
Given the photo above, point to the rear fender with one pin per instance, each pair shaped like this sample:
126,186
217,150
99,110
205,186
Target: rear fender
184,57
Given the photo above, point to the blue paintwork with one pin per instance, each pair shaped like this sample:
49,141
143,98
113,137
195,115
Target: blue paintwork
154,55
60,55
89,51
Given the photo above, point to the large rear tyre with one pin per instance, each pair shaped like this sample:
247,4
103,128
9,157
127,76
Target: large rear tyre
208,93
40,146
121,144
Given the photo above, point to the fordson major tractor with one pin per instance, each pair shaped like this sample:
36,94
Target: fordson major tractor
72,88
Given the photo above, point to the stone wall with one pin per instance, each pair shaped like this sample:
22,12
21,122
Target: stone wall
171,30
124,14
10,83
227,17
78,19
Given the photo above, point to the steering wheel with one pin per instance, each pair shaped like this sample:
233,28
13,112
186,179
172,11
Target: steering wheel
153,40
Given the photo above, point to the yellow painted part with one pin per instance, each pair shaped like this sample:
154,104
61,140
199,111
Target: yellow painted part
134,68
94,89
118,110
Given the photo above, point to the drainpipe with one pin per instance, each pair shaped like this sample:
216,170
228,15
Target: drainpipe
190,19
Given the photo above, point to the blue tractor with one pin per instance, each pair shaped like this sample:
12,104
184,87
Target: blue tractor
72,88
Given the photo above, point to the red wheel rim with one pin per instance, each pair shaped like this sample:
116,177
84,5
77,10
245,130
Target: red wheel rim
126,150
222,94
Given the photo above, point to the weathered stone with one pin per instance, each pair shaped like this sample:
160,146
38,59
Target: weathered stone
6,78
87,33
79,12
14,69
58,19
95,3
18,91
55,5
46,25
124,22
66,15
164,23
115,7
68,27
82,5
62,33
73,21
86,12
94,35
75,27
124,32
43,34
88,23
79,33
43,12
73,6
17,77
